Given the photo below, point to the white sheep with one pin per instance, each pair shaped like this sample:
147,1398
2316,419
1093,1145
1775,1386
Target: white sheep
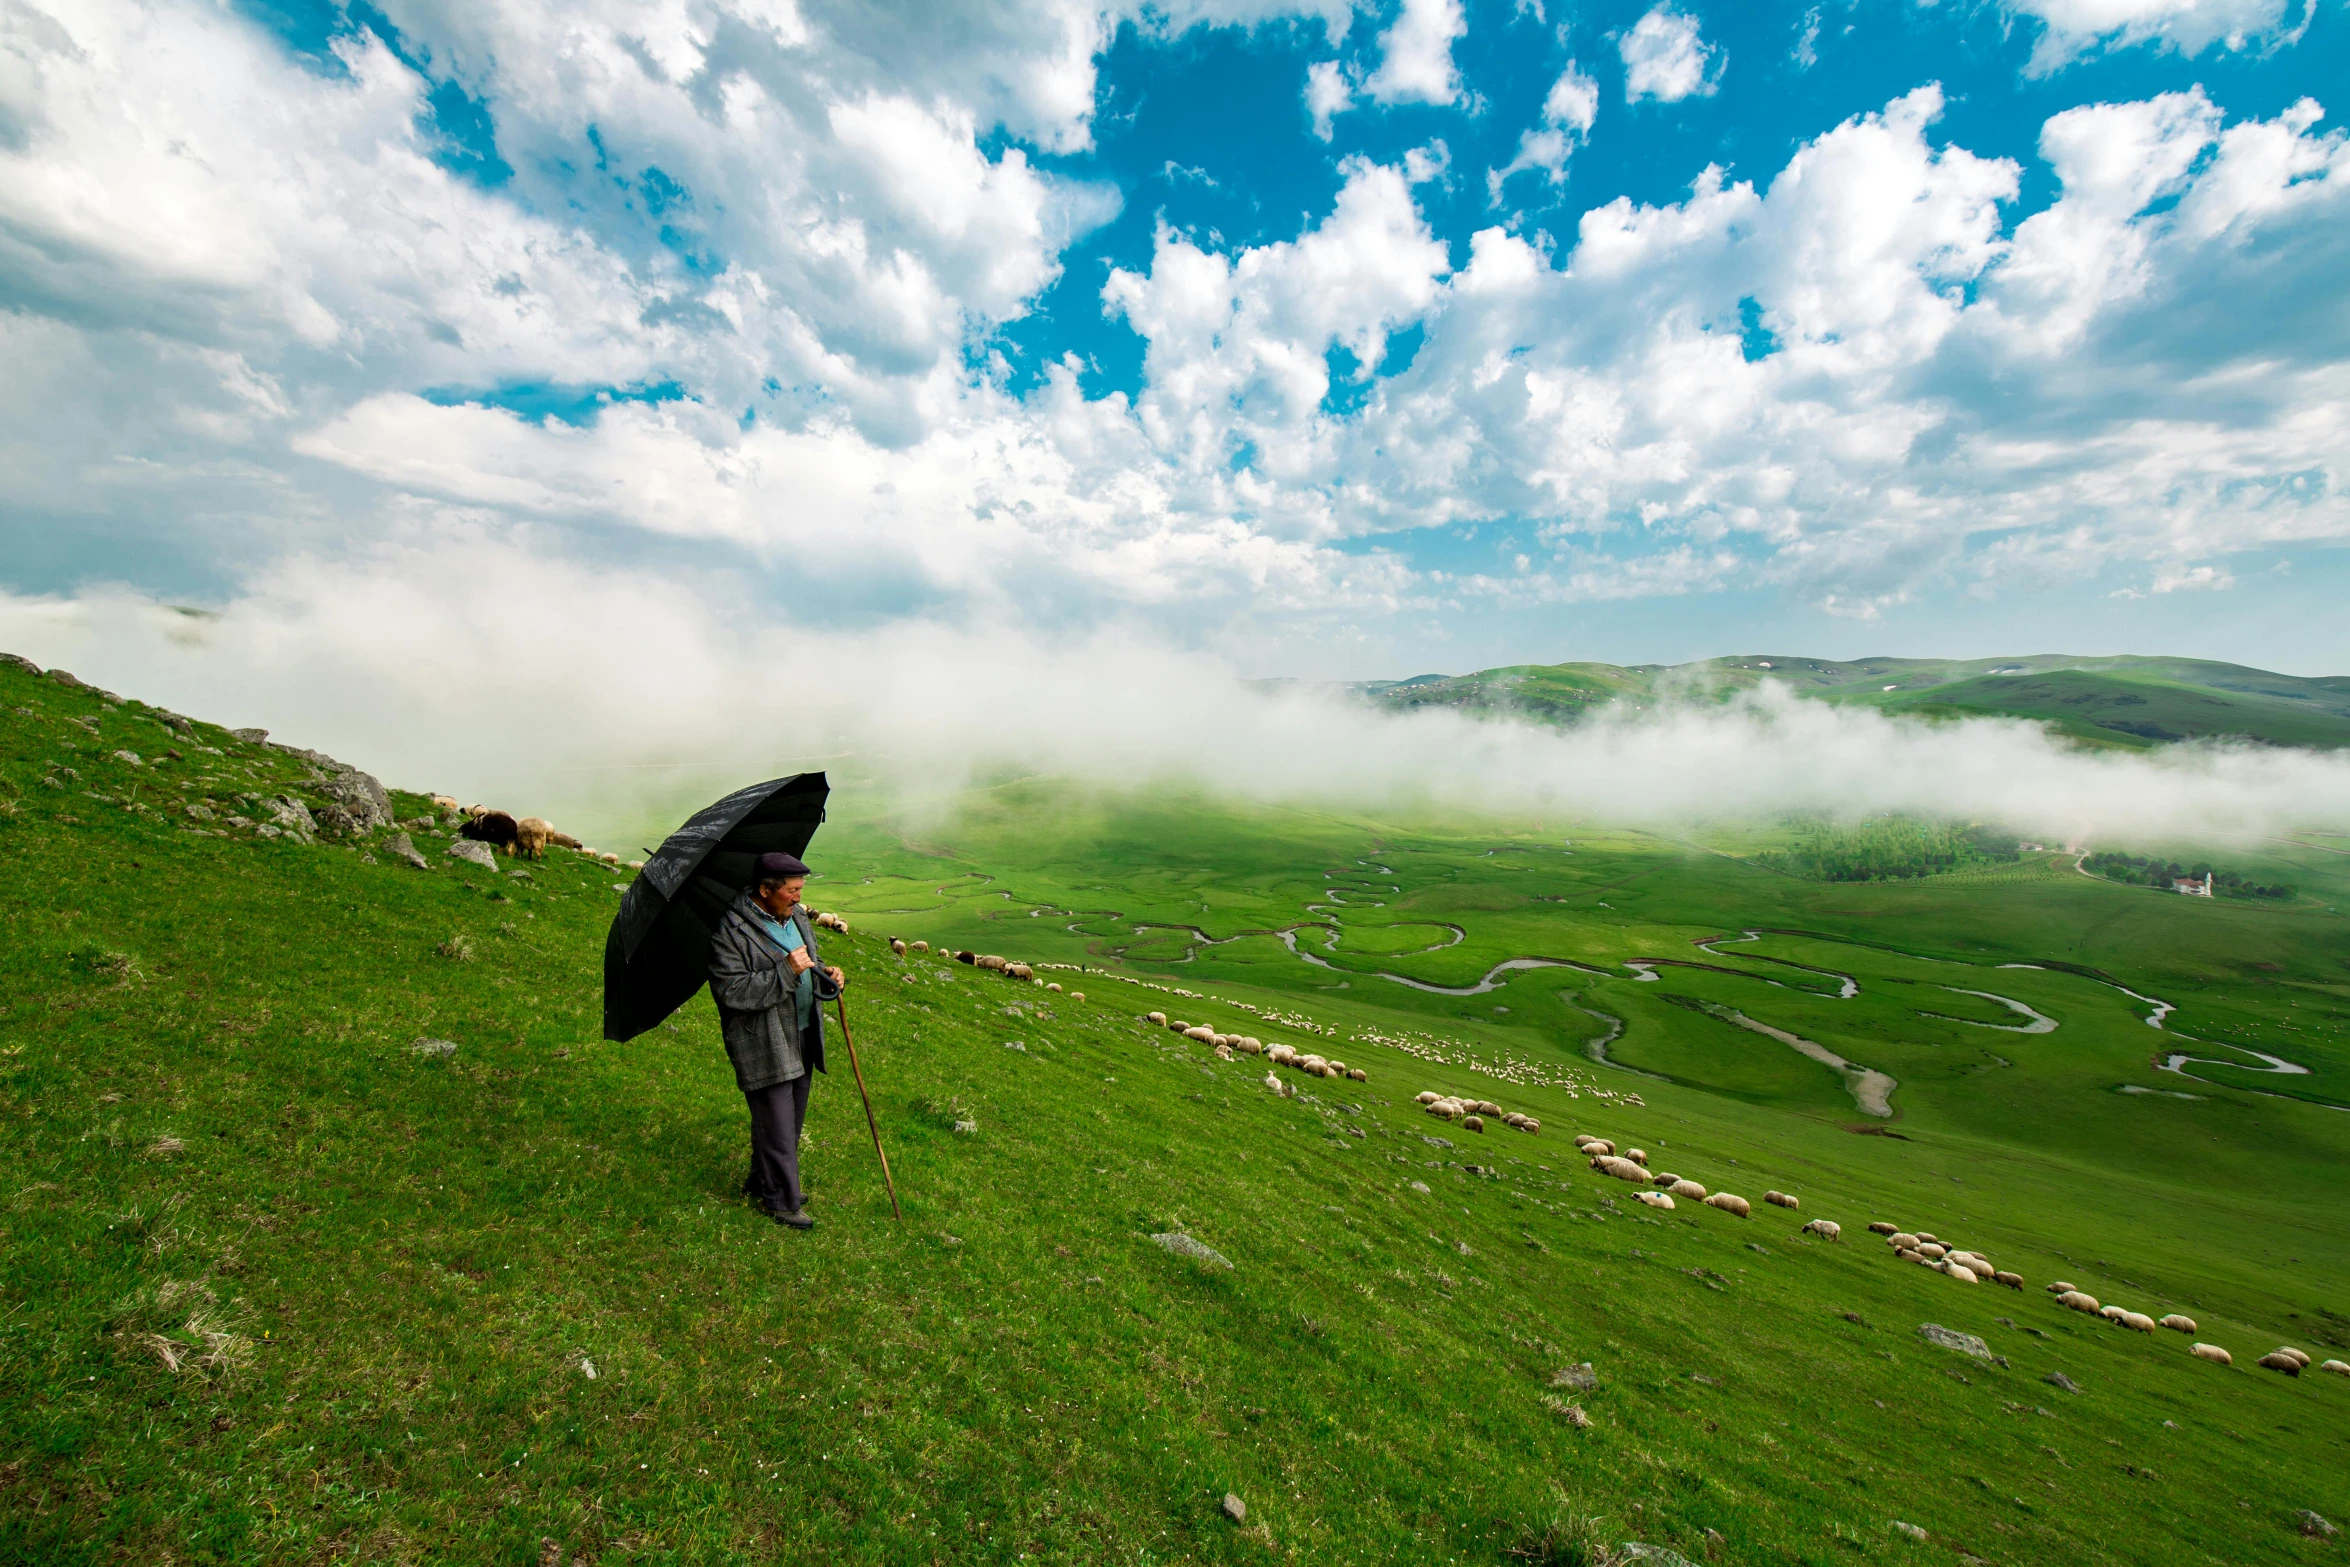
2136,1321
1251,1044
2300,1357
2278,1360
1155,1019
1960,1271
1655,1200
1729,1203
2014,1281
1358,1074
2111,1313
1472,1123
1928,1239
921,946
1204,1036
2079,1300
2178,1323
2340,1368
1825,1229
1910,1254
1687,1188
2213,1353
1275,1085
1621,1169
1595,1145
1782,1200
2060,1287
1636,1155
1076,995
1054,986
1902,1240
1426,1096
1937,1253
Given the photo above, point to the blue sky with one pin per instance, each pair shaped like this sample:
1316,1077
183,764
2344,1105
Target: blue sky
1332,340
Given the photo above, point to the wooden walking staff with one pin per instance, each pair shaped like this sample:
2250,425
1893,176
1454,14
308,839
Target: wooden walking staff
872,1125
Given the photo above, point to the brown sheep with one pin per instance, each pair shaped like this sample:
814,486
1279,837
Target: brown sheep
1358,1074
2079,1300
1730,1204
1687,1189
1883,1227
1472,1123
1636,1155
2014,1281
2278,1360
897,948
2299,1356
1782,1200
2213,1353
2178,1323
921,946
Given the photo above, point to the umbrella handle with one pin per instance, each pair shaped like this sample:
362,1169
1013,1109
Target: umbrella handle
871,1125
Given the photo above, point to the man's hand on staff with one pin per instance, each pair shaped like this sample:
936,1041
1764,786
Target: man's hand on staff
838,978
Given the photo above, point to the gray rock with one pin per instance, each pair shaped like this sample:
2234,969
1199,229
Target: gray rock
1421,1187
2059,1379
435,1047
1237,1510
1662,1555
63,678
291,815
19,661
129,758
250,736
1948,1338
1910,1529
363,796
334,822
2315,1527
1185,1246
1581,1378
400,846
473,853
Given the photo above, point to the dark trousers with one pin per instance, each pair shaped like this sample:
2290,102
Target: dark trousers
777,1114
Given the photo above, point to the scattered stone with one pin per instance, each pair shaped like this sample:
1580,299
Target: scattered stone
400,846
1714,1543
63,678
1910,1529
1185,1246
2059,1379
250,736
518,874
434,1047
1235,1509
1421,1187
129,758
290,815
2315,1527
1581,1378
473,853
19,661
1964,1343
1663,1556
362,797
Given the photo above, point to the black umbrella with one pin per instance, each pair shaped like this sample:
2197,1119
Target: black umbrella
658,954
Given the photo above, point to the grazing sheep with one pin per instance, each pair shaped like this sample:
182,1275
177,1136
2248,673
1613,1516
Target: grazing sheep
1472,1123
1928,1239
2079,1300
2060,1287
1223,1052
898,949
1655,1200
1488,1107
2278,1360
966,956
1730,1204
1687,1189
1937,1253
1902,1240
1960,1271
1601,1144
1426,1096
2178,1323
1205,1036
1621,1169
1275,1085
921,946
1909,1254
1174,1025
1313,1064
494,828
2111,1313
990,962
1825,1229
1251,1044
2014,1281
2340,1368
2136,1321
1076,995
1054,986
1664,1178
1358,1074
1782,1200
1636,1155
1883,1227
530,837
1159,1018
2213,1353
1532,1126
1281,1055
1020,971
2299,1357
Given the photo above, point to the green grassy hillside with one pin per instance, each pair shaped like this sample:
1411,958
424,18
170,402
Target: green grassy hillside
2123,701
280,1287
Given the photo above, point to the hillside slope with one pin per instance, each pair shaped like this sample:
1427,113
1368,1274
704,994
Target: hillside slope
2118,701
281,1287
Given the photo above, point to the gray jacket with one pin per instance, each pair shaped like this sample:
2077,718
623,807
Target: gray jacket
753,990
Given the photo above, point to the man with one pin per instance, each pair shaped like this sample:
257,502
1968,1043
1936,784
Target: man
764,975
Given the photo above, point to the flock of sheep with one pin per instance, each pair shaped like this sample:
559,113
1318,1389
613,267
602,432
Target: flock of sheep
527,836
1661,1187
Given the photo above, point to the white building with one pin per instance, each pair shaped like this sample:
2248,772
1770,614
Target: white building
2193,887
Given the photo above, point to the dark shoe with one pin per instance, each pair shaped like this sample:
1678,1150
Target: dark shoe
797,1218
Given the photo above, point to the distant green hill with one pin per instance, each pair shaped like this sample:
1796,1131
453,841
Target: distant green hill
2121,701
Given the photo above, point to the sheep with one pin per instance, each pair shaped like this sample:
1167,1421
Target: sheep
2213,1353
1223,1052
1782,1200
1687,1189
444,803
2060,1287
1655,1200
1959,1271
2278,1360
2178,1323
1532,1127
1019,971
1621,1169
1883,1227
494,828
530,837
1937,1253
965,956
1176,1025
1277,1087
1356,1074
2299,1357
1426,1096
1076,995
1314,1065
2340,1368
1156,1019
2079,1300
2111,1313
1825,1229
921,946
897,949
2014,1281
1281,1055
1472,1123
990,962
1600,1144
1730,1204
1054,986
1909,1254
2136,1321
1928,1239
1488,1107
1902,1240
1205,1036
1636,1155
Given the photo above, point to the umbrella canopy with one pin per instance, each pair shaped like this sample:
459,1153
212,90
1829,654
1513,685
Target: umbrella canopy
658,953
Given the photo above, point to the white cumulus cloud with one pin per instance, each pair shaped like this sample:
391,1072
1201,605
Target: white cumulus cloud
2073,28
1569,110
1667,59
1415,54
